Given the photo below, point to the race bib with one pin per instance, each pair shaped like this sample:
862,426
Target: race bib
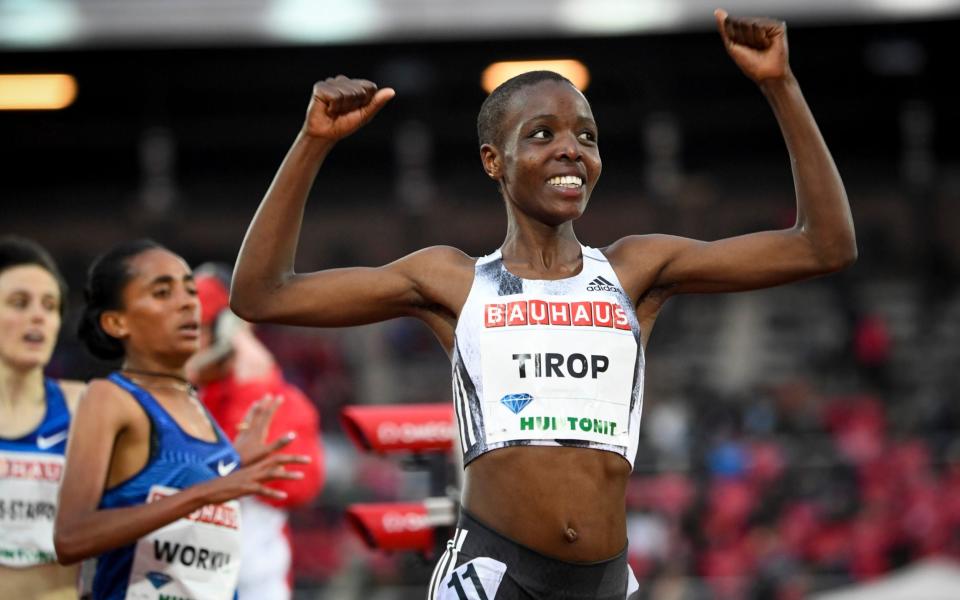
557,370
478,579
194,558
29,482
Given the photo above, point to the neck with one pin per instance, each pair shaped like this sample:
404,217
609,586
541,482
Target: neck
541,247
155,367
19,387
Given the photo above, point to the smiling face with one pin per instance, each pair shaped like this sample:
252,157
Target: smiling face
29,316
546,159
160,314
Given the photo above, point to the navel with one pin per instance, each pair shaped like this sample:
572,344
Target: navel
570,534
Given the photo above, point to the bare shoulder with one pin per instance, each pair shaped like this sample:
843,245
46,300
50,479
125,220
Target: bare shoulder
441,257
105,400
438,266
653,247
443,274
72,391
639,260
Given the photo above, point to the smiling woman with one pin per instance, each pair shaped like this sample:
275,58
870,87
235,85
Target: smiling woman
546,336
34,423
150,482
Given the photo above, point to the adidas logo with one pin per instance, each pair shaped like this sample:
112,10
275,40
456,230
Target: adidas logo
602,285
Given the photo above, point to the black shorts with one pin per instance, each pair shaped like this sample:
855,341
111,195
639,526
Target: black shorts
481,564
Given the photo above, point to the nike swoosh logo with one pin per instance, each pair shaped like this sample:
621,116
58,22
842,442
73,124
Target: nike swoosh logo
45,443
226,469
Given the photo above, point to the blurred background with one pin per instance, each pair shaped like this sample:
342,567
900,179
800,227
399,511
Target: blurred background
795,441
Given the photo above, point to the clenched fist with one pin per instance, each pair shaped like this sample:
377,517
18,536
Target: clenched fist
341,105
757,45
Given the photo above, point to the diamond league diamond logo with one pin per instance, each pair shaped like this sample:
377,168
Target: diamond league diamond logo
159,579
516,402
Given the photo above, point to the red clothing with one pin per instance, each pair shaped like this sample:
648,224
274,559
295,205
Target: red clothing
229,400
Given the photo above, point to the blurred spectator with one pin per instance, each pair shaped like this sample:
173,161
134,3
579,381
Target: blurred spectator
872,347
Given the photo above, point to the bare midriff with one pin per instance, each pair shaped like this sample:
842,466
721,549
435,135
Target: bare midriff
566,503
46,582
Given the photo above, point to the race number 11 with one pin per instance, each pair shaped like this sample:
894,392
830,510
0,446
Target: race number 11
457,584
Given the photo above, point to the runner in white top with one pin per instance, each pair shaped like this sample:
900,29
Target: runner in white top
539,142
34,423
548,362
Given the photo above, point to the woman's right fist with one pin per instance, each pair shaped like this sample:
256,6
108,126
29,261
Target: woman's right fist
341,105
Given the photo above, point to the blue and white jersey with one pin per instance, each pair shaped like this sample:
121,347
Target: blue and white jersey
196,557
548,362
30,470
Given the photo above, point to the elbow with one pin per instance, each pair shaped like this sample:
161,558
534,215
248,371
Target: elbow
251,301
841,257
246,305
67,547
242,307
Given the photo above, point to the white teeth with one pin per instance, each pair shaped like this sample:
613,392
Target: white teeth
567,181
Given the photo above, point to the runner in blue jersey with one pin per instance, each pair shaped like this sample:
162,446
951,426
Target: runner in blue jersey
151,482
546,335
34,423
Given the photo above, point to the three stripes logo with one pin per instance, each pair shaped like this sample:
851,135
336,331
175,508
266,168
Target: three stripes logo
599,284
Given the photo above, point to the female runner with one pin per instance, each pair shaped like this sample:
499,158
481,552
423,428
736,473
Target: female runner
546,335
151,482
34,423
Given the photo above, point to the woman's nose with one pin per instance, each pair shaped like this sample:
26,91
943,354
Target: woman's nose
567,147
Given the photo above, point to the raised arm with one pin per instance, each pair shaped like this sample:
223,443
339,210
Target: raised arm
265,286
822,239
82,530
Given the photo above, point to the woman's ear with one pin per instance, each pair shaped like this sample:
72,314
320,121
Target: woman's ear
113,323
492,162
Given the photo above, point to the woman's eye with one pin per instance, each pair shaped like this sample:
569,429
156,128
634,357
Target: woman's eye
192,291
161,293
588,136
540,134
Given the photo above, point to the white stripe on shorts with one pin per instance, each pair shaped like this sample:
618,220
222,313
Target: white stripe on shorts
447,562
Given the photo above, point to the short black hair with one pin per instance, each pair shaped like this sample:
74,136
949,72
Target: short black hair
494,107
16,251
107,277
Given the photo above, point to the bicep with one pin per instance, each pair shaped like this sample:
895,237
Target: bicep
340,297
746,262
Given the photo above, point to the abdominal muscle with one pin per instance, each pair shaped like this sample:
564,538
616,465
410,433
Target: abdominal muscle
566,503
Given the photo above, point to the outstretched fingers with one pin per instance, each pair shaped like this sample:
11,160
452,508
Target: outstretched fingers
273,470
269,492
258,418
281,473
290,459
280,442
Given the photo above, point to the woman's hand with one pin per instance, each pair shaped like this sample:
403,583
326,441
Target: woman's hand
251,479
341,105
757,45
251,439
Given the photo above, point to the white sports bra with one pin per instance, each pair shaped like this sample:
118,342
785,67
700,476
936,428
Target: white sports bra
548,362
